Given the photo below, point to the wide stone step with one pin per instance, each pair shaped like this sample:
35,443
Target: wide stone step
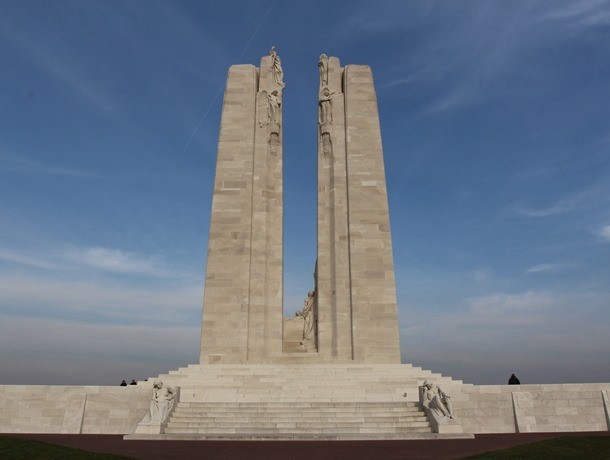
305,379
292,412
298,424
288,413
306,411
268,398
303,405
280,431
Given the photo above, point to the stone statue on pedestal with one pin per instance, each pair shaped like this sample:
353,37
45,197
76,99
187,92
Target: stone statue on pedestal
437,401
161,403
309,314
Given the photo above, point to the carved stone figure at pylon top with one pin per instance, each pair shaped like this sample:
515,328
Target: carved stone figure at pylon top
323,68
276,67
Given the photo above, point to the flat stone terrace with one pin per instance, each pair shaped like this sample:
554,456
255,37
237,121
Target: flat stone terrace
303,383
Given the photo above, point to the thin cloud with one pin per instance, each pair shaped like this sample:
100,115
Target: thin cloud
24,165
62,68
220,90
115,260
502,303
499,333
558,208
20,259
481,274
106,300
480,46
566,204
547,268
583,13
604,232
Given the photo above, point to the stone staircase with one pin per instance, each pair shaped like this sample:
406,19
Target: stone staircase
295,419
300,401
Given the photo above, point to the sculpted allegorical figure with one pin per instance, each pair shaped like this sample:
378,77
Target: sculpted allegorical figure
161,403
273,108
436,400
323,68
276,68
325,114
309,315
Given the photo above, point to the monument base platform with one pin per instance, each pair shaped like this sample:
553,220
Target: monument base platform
321,401
300,401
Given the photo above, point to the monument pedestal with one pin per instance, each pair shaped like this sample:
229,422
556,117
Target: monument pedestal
300,401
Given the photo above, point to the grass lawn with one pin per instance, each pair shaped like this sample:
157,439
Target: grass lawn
25,449
567,447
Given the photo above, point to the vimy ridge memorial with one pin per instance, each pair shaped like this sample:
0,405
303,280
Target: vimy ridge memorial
334,370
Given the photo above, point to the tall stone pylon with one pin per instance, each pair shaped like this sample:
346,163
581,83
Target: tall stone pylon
356,291
243,296
333,285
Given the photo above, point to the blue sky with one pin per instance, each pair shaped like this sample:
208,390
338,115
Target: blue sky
495,122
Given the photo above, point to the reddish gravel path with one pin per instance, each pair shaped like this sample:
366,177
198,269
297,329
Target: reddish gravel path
295,450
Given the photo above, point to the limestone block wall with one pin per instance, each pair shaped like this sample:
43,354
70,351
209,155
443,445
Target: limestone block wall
72,409
227,283
373,289
333,276
266,257
533,408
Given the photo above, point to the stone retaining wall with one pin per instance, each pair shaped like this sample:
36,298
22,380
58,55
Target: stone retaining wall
72,409
533,408
481,408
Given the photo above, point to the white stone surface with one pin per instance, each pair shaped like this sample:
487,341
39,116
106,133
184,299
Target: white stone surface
373,291
227,279
72,409
333,276
532,408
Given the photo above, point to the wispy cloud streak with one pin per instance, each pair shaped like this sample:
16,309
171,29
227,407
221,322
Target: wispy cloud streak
115,260
220,90
547,268
604,232
24,165
28,261
62,68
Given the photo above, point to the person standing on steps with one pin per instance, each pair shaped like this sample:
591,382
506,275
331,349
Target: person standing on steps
513,380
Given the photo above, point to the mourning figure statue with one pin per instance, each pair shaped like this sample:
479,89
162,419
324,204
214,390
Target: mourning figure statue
161,403
436,400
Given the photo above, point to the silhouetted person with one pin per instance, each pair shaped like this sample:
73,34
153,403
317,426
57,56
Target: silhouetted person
513,380
123,383
133,382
